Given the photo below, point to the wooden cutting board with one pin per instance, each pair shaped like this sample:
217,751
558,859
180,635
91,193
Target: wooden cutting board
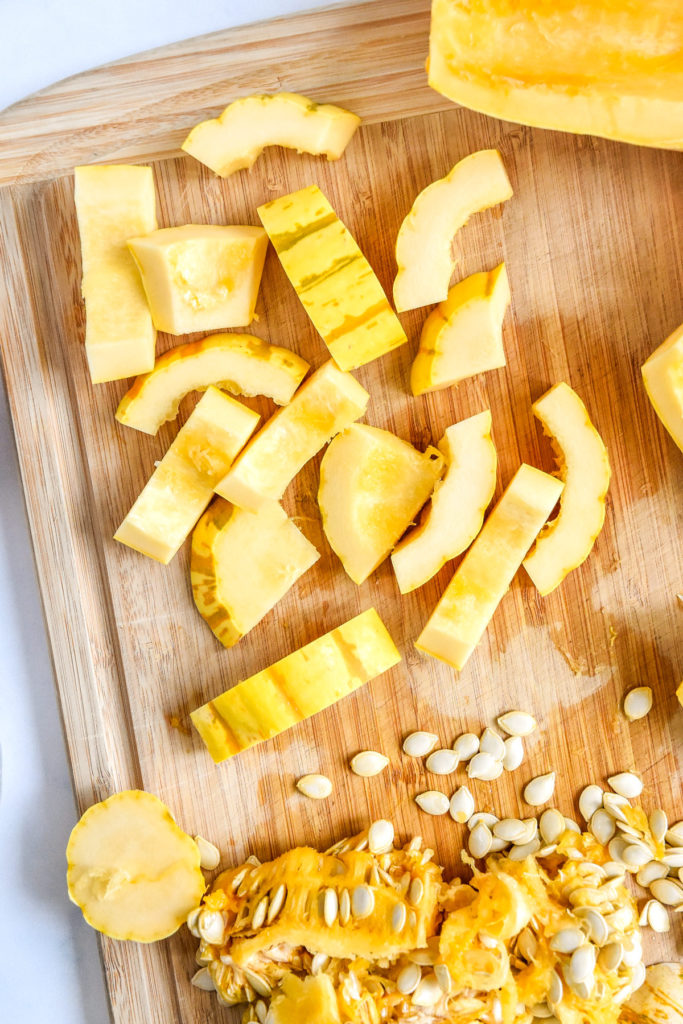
592,242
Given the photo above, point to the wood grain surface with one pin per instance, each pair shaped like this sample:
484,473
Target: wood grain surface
592,242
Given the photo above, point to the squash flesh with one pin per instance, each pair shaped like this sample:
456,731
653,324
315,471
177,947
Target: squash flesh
663,379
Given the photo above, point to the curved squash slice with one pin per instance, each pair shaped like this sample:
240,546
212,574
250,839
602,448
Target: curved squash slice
566,542
131,870
463,336
304,1000
297,686
372,485
610,69
239,363
663,379
243,563
456,512
485,573
238,137
424,244
660,999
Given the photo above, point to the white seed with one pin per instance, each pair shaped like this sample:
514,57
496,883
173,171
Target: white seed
209,855
381,836
398,917
259,984
546,851
514,753
595,924
582,965
362,901
626,784
432,802
203,980
611,956
330,907
541,1011
657,917
570,824
419,744
211,926
602,826
635,856
637,703
319,962
551,825
443,976
616,848
590,800
344,907
261,1010
316,787
276,903
498,844
488,819
368,763
428,992
613,870
530,833
567,940
493,744
619,919
408,979
466,746
527,944
673,858
485,767
674,834
614,804
480,840
555,990
540,789
191,922
462,805
260,913
583,989
416,891
653,869
659,824
667,891
524,850
517,723
509,829
442,762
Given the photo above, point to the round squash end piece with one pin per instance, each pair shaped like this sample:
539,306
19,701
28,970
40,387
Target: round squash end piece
133,872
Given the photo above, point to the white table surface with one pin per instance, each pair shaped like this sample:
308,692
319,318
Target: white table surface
49,962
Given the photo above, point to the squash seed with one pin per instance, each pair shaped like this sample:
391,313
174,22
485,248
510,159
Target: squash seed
570,824
659,824
419,744
581,965
667,891
594,923
259,984
555,990
381,836
611,955
260,913
657,917
442,762
261,1011
541,1011
480,840
443,976
432,802
614,804
488,819
416,891
330,907
203,980
514,753
276,903
626,784
653,869
461,806
567,940
527,944
590,800
520,851
209,855
540,789
191,922
673,858
517,723
466,746
398,917
493,744
638,703
485,767
602,826
409,978
551,825
428,992
368,763
211,926
498,844
509,829
344,907
634,856
362,902
530,833
316,787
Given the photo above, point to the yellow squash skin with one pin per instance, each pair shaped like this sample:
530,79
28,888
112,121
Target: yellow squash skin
297,686
584,468
663,379
424,250
243,563
332,277
201,277
113,203
238,363
182,485
597,67
485,573
133,872
463,336
237,138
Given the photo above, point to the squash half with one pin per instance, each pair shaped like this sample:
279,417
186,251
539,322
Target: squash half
663,379
596,67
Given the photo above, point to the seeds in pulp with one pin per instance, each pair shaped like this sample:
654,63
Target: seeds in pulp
368,763
442,762
260,913
203,980
330,907
211,926
432,802
582,964
517,723
428,992
416,891
362,901
398,917
461,805
277,902
408,979
443,976
344,907
567,940
540,789
555,990
418,744
316,787
611,956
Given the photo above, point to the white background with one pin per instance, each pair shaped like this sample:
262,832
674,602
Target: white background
49,963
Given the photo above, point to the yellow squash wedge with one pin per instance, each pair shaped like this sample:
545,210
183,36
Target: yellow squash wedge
594,67
201,277
372,486
238,363
332,277
182,485
113,203
456,512
485,573
238,137
659,1000
663,379
566,542
297,686
463,336
305,1000
243,563
424,244
131,870
328,402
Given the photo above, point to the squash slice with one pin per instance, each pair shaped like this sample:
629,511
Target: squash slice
424,244
596,68
663,379
332,277
238,363
304,1000
182,484
328,402
372,486
485,573
659,999
131,870
566,542
243,563
237,138
297,686
456,512
463,336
